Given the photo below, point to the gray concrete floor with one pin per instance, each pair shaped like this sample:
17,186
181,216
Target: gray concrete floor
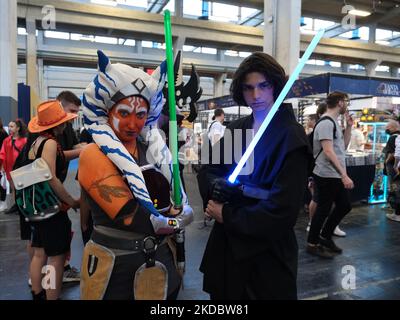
372,247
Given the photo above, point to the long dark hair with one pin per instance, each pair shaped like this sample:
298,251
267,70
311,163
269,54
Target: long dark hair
50,135
22,128
218,112
2,130
264,64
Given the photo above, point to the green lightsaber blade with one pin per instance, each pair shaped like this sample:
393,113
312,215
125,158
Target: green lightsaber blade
173,130
276,105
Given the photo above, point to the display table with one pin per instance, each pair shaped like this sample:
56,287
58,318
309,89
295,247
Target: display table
362,176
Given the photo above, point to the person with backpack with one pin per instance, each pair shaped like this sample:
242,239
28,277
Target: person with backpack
312,206
210,137
330,176
10,150
50,237
216,129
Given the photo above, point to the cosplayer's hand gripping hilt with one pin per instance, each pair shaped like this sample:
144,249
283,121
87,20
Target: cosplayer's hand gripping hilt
176,224
167,225
223,191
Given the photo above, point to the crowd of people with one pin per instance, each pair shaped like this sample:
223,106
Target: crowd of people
131,222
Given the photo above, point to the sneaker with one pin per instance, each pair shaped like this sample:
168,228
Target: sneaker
12,210
338,232
71,274
320,251
308,227
3,206
393,217
387,207
330,244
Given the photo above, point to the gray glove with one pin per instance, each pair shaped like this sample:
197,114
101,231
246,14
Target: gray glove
186,217
164,225
168,225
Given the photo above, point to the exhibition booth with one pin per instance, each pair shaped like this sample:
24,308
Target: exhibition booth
372,102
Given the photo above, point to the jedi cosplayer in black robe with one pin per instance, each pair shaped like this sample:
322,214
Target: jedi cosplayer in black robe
253,254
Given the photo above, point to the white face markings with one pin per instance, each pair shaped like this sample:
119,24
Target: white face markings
122,108
136,104
139,105
115,122
129,106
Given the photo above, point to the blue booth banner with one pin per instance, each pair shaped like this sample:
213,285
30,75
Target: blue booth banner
360,85
220,102
324,84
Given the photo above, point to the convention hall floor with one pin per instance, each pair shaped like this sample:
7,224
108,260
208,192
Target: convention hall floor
371,249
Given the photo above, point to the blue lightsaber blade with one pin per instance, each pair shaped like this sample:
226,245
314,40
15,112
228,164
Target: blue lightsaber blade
278,102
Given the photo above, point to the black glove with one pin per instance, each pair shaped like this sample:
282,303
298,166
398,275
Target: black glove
223,191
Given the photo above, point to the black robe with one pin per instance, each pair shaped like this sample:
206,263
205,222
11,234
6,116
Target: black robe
253,254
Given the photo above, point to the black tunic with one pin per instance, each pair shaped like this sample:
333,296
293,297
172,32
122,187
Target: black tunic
253,254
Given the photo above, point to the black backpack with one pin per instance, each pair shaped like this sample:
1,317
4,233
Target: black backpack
311,140
23,156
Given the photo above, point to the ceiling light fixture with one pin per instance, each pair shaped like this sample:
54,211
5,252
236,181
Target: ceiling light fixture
360,13
105,2
383,42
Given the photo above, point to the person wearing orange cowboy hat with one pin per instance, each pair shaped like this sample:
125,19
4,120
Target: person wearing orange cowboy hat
50,237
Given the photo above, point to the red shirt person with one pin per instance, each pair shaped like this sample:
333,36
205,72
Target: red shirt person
12,145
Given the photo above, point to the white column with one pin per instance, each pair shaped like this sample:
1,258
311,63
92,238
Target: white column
32,78
219,83
178,44
394,71
139,47
372,33
282,31
370,68
8,61
345,67
42,84
179,8
220,55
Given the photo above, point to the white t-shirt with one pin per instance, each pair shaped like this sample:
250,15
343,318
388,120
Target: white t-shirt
215,132
324,131
357,140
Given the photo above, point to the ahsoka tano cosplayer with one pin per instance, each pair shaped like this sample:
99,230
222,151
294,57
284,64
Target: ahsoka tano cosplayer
126,177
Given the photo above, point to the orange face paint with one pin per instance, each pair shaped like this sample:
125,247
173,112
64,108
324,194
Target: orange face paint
128,117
